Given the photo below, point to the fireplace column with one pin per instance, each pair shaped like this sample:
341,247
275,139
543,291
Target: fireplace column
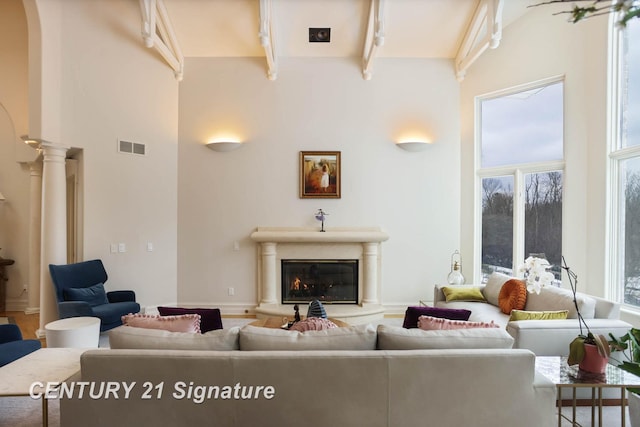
370,268
269,273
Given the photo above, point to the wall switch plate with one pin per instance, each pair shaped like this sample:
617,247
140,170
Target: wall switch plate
232,292
149,247
114,248
122,247
236,246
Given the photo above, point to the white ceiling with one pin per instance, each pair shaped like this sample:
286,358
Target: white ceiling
413,28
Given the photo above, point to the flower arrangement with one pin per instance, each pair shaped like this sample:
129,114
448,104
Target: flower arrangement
535,273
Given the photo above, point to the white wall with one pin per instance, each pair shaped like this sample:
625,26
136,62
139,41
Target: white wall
14,178
106,86
535,47
315,104
113,87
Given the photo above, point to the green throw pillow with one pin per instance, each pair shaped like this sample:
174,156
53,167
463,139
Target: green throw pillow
538,315
464,293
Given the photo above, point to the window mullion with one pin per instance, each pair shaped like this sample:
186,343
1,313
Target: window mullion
518,219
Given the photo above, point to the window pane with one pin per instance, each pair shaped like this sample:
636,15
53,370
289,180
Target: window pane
630,226
497,225
523,127
543,217
631,85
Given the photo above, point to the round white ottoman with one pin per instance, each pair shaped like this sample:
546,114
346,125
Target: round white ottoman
73,332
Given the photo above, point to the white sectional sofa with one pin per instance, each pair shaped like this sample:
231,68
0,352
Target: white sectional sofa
543,337
365,379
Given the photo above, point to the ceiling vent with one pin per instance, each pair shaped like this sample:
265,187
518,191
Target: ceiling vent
319,35
132,147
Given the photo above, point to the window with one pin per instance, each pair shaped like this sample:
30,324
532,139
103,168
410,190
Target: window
624,167
520,175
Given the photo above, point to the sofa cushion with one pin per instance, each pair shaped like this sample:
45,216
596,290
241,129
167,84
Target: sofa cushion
434,323
358,337
131,337
182,323
92,295
397,338
492,289
210,318
538,315
513,295
462,293
412,313
552,298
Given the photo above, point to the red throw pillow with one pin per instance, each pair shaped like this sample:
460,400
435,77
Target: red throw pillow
513,296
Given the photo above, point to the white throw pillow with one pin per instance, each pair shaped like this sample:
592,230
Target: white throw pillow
492,289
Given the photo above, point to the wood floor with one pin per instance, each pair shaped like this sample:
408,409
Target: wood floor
28,323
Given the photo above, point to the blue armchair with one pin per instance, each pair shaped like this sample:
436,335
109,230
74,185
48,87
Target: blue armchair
12,346
80,292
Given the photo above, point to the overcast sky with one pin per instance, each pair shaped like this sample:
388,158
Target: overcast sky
523,128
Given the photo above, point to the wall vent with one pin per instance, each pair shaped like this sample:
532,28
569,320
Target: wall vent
132,147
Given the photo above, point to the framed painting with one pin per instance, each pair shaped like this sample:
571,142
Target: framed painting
320,174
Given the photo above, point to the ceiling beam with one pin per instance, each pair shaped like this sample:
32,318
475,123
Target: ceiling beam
374,37
484,31
266,38
158,33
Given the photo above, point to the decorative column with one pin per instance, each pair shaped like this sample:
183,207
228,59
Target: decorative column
54,226
268,273
35,220
370,268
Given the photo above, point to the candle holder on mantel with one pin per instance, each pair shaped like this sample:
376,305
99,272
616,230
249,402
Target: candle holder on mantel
320,216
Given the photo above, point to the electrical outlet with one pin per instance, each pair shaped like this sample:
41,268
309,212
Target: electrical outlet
114,248
236,246
232,292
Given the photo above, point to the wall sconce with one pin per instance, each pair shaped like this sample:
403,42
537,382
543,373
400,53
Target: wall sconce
2,198
413,145
224,145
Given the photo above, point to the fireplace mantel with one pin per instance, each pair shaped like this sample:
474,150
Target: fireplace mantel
362,243
313,235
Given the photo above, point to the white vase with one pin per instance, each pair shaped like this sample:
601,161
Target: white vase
634,409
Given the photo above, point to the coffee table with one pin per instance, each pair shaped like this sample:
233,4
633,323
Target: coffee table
47,365
277,322
557,370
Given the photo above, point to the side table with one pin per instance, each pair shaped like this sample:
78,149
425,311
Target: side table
75,332
557,370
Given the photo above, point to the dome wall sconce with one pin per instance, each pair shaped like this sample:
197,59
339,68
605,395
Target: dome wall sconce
413,145
223,146
2,198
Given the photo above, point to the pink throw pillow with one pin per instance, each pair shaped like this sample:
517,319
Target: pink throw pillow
313,324
429,323
181,323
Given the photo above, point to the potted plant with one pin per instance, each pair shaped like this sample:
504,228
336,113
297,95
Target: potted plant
589,351
628,346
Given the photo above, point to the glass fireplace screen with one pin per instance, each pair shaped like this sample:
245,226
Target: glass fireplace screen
331,281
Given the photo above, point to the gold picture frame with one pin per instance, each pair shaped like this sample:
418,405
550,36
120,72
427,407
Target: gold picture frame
320,174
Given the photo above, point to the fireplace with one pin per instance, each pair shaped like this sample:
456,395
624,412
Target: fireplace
329,281
309,245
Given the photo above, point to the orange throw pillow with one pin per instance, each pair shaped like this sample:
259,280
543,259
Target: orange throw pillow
513,296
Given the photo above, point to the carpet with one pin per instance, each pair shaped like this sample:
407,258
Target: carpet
6,320
27,412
